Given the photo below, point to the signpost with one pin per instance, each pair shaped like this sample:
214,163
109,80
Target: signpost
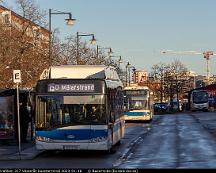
17,80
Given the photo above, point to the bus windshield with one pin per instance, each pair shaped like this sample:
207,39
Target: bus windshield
137,99
138,104
60,111
200,97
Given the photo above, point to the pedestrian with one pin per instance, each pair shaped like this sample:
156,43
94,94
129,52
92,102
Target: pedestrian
95,113
24,122
10,120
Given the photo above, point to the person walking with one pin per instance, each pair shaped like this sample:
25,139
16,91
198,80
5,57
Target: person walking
24,122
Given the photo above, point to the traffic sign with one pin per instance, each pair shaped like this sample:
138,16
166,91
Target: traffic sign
16,76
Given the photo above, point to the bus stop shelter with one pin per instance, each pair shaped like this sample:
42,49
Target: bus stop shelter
8,112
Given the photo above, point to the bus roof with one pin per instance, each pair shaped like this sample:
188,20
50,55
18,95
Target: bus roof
135,87
108,73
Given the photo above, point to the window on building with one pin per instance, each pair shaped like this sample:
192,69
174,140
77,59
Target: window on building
6,16
36,33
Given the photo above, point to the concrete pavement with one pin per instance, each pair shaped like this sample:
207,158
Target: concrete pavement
10,151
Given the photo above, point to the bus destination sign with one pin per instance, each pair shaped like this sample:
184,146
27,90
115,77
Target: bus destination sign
71,87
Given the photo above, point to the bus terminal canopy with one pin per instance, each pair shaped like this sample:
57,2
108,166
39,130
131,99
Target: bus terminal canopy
210,88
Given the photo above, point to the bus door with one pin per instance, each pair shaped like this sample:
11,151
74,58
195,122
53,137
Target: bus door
98,124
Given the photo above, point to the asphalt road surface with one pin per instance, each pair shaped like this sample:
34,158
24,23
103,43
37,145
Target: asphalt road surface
177,141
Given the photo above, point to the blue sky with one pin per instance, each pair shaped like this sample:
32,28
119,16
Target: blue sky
138,29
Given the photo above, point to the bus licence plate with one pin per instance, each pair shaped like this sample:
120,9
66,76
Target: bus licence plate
71,147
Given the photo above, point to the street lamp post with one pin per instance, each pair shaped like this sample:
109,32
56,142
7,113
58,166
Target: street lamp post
70,21
127,67
109,52
129,73
119,60
93,41
161,90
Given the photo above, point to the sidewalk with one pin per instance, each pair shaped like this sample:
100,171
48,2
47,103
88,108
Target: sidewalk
10,151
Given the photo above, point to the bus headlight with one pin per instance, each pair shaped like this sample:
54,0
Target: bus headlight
147,114
43,139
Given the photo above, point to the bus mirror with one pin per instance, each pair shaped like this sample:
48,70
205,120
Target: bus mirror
110,125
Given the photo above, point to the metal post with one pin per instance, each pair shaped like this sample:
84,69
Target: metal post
129,76
50,37
194,82
161,90
97,50
77,54
208,69
126,75
18,120
161,85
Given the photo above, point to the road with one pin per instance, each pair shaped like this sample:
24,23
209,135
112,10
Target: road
177,141
184,140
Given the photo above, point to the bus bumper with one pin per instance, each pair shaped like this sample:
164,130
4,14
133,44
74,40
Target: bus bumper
40,145
138,118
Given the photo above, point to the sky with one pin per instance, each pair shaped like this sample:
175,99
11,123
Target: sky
139,29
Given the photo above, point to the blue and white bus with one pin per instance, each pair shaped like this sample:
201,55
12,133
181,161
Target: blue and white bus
199,100
138,103
79,107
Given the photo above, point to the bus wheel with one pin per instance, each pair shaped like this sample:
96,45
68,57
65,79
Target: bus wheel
118,143
110,151
51,152
148,121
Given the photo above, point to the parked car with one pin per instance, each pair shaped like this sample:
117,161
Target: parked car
160,107
173,106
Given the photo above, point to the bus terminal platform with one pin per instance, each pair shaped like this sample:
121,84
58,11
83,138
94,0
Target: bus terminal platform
10,151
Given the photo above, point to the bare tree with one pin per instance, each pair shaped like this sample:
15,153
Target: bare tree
158,72
31,11
178,77
2,2
172,78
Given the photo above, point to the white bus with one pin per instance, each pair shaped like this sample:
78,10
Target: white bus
79,107
138,103
199,100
